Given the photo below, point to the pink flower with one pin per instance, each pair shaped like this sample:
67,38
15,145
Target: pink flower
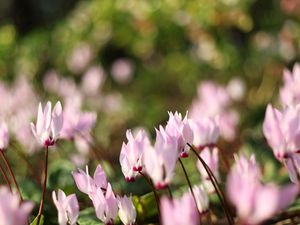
211,158
180,130
12,210
67,207
282,130
206,132
127,212
160,161
181,211
122,70
290,93
201,198
106,205
254,201
88,185
4,136
48,125
92,80
132,154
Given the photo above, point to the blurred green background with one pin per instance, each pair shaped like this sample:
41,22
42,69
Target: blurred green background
166,47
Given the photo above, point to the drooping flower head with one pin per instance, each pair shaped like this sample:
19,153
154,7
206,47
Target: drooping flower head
48,124
160,160
12,210
4,136
201,198
127,211
67,207
181,211
131,156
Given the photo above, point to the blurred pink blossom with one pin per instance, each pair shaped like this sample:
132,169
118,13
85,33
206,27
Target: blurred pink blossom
122,70
80,58
160,161
48,124
131,155
181,211
92,80
51,81
127,211
4,136
67,207
12,210
201,198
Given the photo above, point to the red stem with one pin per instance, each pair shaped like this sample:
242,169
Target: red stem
44,186
11,174
6,178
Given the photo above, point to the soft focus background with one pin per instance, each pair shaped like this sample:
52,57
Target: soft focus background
130,62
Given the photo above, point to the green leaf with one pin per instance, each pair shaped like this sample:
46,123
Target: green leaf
88,217
35,221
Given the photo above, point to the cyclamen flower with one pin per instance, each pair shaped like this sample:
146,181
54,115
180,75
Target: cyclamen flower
160,161
180,129
181,211
290,93
282,130
12,210
254,201
4,136
48,124
206,132
132,154
105,204
201,198
67,207
127,211
88,185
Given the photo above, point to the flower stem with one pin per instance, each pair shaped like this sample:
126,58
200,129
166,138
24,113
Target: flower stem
216,186
154,191
170,192
44,186
188,180
5,177
11,174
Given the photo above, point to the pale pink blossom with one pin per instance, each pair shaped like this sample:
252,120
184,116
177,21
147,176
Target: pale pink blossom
254,201
282,130
12,210
131,156
290,93
92,80
236,88
160,161
80,58
67,207
206,132
127,211
105,204
48,124
201,198
86,184
180,129
181,211
122,70
4,136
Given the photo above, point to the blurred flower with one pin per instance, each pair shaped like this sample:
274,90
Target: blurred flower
80,58
49,124
92,80
201,198
4,136
206,132
236,88
88,185
67,207
127,212
181,211
51,81
12,210
290,93
105,204
180,130
122,70
282,130
131,155
160,161
254,201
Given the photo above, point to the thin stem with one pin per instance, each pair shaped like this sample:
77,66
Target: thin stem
188,180
154,191
6,178
170,192
11,174
216,186
44,186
